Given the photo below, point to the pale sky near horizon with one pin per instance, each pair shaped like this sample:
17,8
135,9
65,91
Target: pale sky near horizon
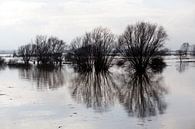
22,20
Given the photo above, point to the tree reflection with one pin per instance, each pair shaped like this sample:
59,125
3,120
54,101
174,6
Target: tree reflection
142,94
182,66
2,67
49,78
96,90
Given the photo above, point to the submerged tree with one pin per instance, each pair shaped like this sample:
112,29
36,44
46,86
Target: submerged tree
45,50
183,51
140,43
180,54
193,49
94,50
81,55
184,48
142,93
92,55
42,50
57,48
2,62
26,52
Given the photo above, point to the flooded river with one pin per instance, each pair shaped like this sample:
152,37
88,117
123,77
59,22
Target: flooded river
32,98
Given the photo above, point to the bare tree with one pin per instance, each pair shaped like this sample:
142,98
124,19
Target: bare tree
180,54
103,41
184,48
193,49
93,49
49,50
26,52
42,49
80,54
57,48
183,51
45,50
76,43
2,61
140,43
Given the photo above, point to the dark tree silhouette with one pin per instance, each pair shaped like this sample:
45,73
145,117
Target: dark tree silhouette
140,43
42,49
2,61
94,50
81,56
183,51
47,51
57,48
180,54
184,48
26,52
193,49
164,52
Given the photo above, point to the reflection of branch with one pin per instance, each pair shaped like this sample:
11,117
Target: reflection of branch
45,79
182,66
142,95
2,66
96,90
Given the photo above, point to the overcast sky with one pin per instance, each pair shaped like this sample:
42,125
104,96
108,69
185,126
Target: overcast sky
22,20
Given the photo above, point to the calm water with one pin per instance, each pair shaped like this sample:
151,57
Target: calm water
51,99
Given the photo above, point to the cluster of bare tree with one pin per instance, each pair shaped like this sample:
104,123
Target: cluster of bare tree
43,50
94,53
141,43
93,50
141,92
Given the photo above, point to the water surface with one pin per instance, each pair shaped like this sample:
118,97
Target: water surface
60,98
